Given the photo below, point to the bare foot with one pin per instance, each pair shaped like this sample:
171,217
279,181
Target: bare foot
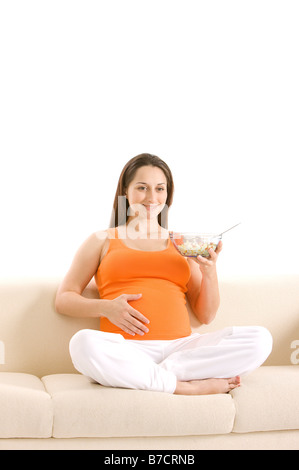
207,386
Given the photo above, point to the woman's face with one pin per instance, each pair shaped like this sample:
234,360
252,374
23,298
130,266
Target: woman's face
148,189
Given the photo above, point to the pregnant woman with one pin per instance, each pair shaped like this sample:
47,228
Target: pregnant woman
145,339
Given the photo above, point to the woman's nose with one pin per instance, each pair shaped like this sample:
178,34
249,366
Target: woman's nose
151,197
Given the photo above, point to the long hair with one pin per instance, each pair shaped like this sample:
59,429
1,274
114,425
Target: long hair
121,205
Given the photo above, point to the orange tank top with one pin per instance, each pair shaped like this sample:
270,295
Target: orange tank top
160,276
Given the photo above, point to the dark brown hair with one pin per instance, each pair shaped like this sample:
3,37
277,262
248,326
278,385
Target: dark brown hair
120,214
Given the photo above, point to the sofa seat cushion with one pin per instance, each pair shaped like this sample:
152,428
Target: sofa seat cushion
25,407
83,408
268,400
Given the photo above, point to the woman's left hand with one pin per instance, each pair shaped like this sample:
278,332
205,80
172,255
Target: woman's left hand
209,264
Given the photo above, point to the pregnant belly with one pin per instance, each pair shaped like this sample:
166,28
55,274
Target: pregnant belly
165,308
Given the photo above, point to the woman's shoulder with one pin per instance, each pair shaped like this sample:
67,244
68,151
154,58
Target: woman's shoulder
107,234
100,241
96,240
92,249
100,235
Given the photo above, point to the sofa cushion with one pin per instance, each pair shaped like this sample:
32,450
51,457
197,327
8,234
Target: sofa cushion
25,407
83,408
268,400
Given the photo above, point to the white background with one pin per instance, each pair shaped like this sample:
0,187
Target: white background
209,86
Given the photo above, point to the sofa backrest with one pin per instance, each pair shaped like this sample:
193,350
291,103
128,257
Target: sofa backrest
272,302
34,338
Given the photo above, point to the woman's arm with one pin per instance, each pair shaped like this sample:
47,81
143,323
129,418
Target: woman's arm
70,301
203,289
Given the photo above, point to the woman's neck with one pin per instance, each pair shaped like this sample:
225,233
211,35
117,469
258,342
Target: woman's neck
143,228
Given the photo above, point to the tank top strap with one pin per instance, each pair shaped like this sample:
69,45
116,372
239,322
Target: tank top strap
114,237
120,232
112,233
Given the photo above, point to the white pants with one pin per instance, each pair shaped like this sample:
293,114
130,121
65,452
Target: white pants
113,361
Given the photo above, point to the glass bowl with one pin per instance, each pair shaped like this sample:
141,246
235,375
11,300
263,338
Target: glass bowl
194,244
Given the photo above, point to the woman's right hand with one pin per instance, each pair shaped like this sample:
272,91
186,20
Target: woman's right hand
121,314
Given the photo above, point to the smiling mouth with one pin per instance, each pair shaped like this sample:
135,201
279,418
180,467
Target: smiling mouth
150,207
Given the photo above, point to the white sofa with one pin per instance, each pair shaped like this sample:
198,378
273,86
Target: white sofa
45,404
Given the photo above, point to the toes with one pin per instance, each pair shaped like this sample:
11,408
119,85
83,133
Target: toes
233,383
235,380
232,386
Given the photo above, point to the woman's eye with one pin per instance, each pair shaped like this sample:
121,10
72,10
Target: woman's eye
142,188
